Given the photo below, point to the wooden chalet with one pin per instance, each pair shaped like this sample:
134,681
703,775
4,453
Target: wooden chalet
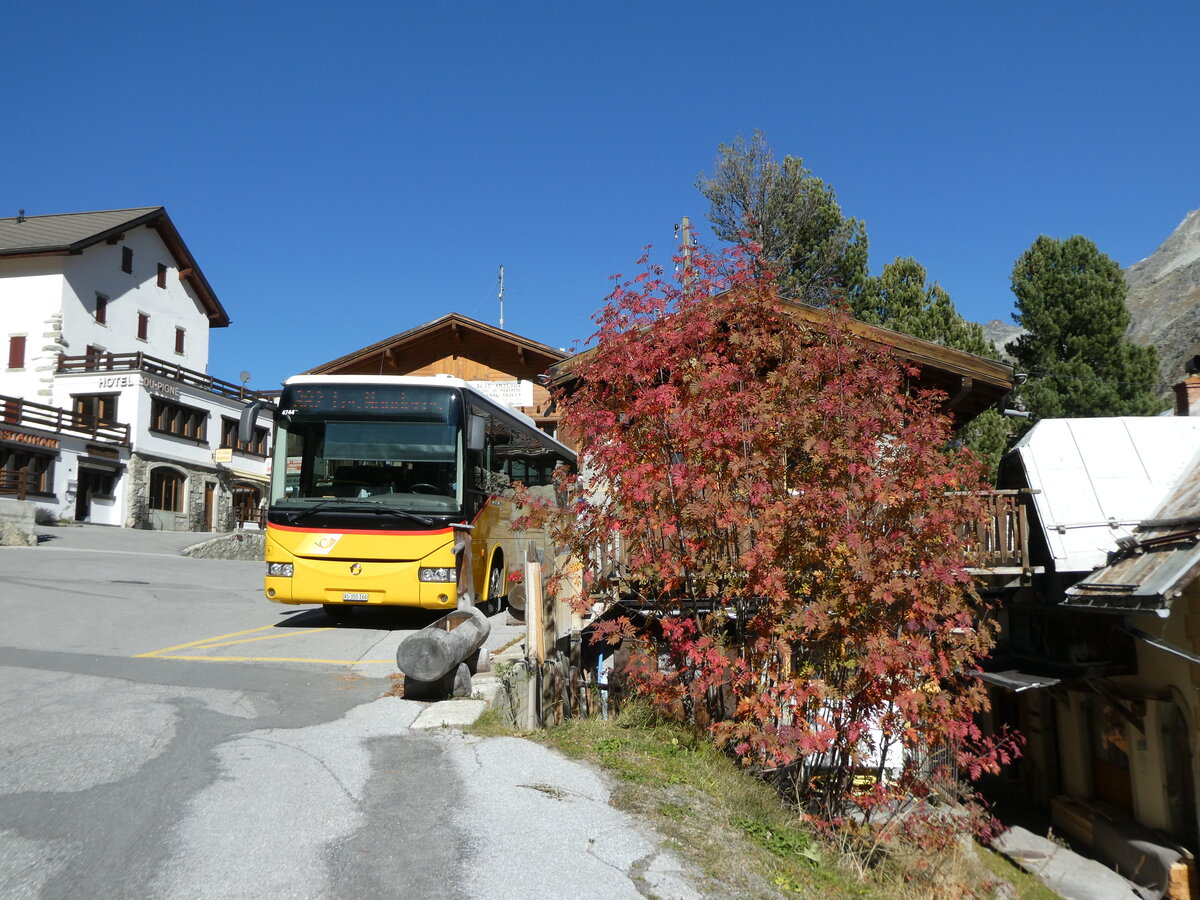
971,383
502,364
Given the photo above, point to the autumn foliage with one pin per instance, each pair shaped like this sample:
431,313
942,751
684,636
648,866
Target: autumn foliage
784,511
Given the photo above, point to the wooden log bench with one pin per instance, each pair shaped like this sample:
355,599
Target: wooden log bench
438,660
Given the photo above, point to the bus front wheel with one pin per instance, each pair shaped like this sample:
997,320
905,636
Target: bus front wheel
495,590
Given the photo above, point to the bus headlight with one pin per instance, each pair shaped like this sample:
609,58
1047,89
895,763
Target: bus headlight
279,570
429,574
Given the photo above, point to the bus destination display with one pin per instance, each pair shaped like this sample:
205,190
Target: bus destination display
392,400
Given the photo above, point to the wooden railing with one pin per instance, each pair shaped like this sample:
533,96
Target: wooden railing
996,545
141,362
18,484
1000,541
15,411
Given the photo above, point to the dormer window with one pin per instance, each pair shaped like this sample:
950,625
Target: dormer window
127,259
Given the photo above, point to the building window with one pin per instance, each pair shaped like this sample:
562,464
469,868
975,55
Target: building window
143,326
91,356
16,351
162,275
246,498
23,472
179,333
166,489
96,408
127,259
257,445
178,420
101,309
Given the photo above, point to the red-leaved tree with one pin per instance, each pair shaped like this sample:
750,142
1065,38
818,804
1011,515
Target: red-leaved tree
789,510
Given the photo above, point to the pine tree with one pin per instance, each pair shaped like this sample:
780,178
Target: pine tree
791,214
900,299
1071,299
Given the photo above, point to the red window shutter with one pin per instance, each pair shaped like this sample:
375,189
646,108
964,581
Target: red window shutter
16,352
179,333
143,325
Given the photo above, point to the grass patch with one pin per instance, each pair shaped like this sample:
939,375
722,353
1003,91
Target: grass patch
734,828
731,826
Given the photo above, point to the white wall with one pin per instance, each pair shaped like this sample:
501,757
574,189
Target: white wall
98,269
30,295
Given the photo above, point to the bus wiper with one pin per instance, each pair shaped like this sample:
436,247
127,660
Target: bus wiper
357,504
393,511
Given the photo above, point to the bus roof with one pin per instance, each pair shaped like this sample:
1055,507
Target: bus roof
448,381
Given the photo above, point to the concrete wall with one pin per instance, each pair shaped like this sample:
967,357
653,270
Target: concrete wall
16,523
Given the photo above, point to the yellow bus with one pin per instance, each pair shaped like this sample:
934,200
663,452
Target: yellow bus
375,478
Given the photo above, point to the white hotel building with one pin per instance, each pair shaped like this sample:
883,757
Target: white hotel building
107,413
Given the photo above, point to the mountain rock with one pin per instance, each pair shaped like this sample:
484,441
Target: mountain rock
1164,300
1000,333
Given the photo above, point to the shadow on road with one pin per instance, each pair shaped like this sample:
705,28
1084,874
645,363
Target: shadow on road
392,618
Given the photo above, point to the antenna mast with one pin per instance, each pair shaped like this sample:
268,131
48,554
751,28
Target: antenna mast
501,295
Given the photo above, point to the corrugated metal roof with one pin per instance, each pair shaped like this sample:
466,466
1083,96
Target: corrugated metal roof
66,231
1156,562
1098,479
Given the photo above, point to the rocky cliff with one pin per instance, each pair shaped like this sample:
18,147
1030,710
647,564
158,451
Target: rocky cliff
1164,300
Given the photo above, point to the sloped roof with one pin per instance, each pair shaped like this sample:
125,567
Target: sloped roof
972,384
448,322
1152,566
70,233
1097,480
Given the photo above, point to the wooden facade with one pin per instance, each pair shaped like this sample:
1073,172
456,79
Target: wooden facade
464,348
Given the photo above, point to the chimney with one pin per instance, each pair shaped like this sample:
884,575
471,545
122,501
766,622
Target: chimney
1187,394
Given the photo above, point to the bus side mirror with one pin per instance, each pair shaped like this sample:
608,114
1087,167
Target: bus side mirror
248,420
476,432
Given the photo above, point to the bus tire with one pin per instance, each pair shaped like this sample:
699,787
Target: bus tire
495,589
337,612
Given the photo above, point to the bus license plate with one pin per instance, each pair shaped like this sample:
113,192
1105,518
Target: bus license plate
354,597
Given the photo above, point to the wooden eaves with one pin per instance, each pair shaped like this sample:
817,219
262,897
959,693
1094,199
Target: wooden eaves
971,383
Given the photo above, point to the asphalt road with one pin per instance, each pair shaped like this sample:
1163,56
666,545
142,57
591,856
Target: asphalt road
165,732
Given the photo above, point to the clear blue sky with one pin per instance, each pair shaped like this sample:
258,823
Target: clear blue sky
344,172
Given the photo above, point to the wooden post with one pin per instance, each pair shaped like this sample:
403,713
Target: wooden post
535,644
465,587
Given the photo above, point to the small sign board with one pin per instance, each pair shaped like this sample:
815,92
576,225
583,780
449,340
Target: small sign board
511,393
224,455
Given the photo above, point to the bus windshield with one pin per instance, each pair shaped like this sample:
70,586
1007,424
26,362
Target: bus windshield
342,461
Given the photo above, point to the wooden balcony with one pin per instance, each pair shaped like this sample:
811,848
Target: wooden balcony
141,362
15,411
998,545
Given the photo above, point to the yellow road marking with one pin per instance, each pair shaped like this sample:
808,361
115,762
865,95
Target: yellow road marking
221,641
332,662
203,641
205,645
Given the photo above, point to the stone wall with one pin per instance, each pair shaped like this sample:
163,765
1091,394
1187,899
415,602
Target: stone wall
140,515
